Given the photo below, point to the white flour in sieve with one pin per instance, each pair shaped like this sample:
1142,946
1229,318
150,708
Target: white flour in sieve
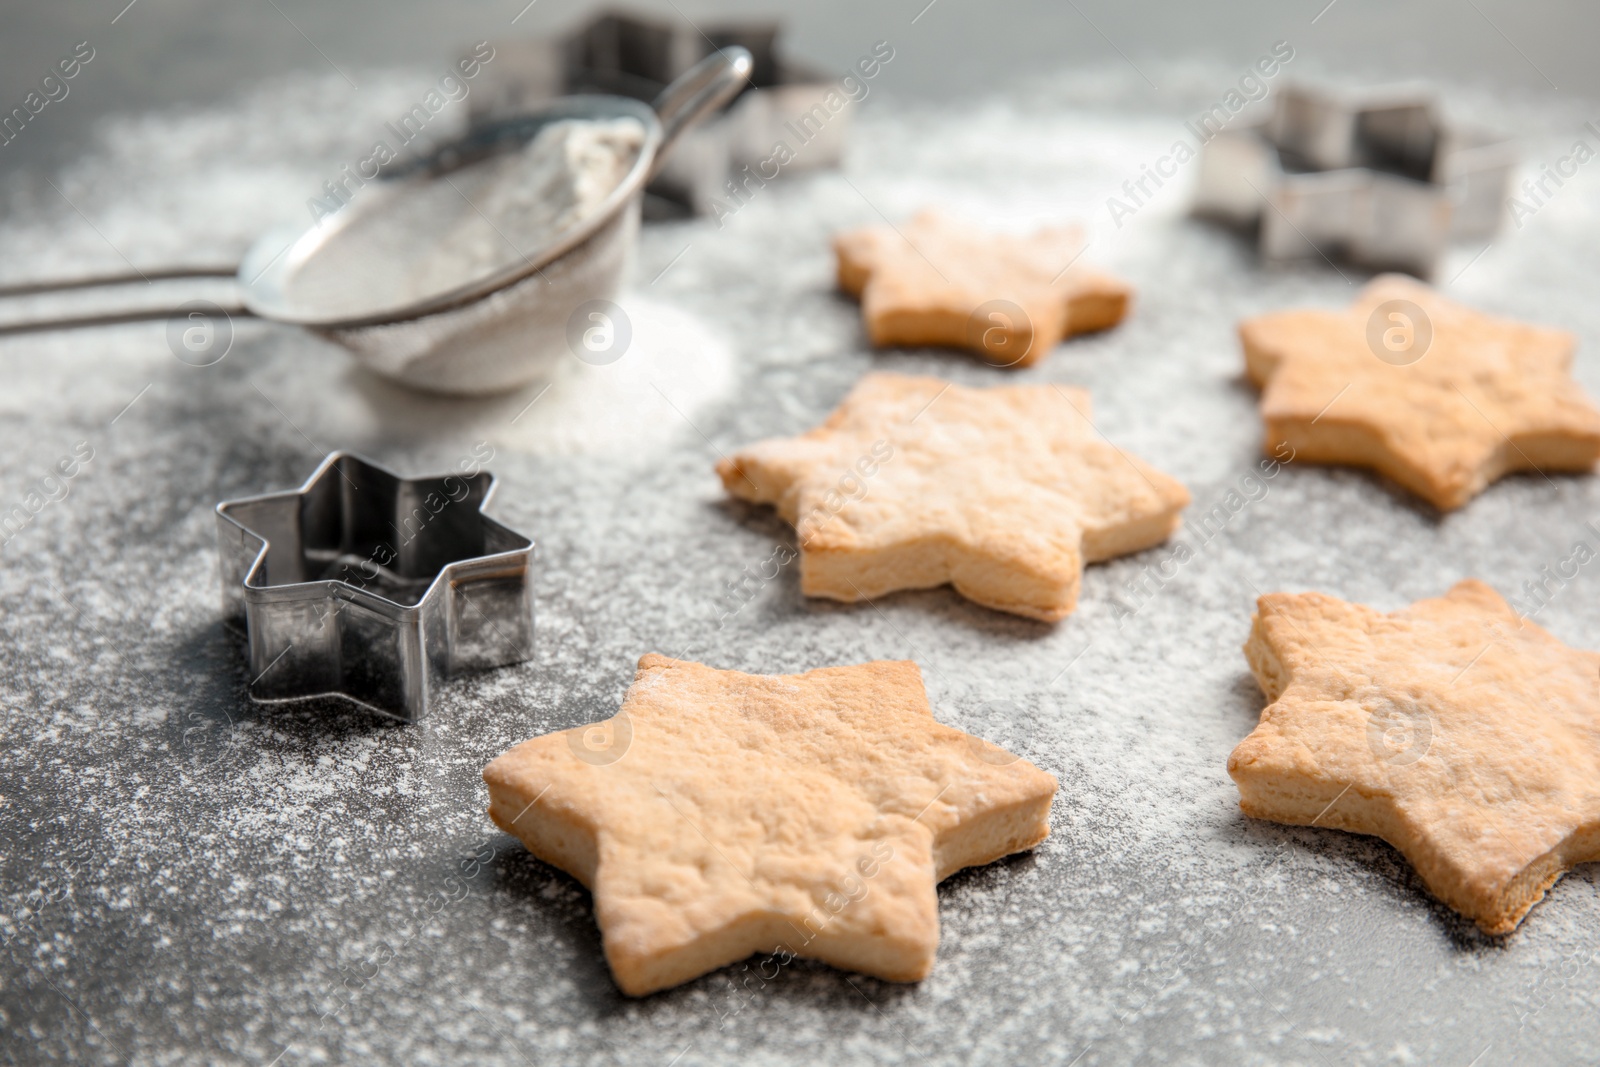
508,207
517,202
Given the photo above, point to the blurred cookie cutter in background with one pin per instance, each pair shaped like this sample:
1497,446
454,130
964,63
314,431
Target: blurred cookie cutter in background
633,54
1374,176
500,329
372,587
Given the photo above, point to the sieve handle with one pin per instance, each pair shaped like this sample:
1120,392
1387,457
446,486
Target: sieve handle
698,92
96,281
110,318
108,281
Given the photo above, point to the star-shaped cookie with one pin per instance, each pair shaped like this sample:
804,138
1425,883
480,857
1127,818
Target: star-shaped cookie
937,281
1462,734
721,814
914,482
1441,398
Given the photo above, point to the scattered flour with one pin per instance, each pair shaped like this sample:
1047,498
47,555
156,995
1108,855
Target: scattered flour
673,369
191,878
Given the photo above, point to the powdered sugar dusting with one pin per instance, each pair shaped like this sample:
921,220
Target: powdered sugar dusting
192,878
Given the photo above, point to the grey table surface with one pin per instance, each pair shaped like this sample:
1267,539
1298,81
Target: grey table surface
189,877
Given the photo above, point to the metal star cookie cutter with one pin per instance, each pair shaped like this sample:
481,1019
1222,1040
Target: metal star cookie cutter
373,587
1376,176
631,53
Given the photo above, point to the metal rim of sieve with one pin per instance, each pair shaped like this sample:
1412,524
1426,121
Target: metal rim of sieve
272,264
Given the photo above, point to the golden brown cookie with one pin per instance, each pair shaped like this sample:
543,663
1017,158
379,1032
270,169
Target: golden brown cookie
936,281
1457,731
914,482
1441,398
721,814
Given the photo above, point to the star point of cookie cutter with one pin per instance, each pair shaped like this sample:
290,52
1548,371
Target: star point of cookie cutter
1376,176
369,586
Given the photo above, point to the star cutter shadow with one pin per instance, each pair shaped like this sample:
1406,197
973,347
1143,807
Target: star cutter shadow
365,585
